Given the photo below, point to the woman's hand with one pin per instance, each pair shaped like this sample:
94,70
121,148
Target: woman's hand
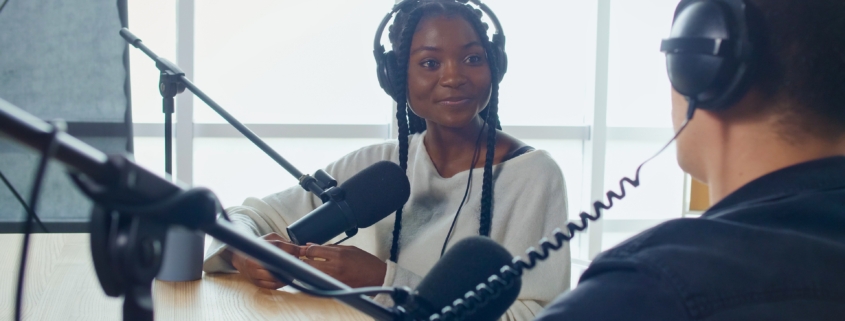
255,272
348,264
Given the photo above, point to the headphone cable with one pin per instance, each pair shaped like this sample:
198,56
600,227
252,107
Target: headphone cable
23,203
475,155
502,280
46,154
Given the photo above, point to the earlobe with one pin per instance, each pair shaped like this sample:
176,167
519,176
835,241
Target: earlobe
411,109
489,96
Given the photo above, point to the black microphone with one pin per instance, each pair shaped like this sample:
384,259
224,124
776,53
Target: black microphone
467,264
361,201
147,199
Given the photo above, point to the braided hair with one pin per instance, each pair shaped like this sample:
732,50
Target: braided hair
401,35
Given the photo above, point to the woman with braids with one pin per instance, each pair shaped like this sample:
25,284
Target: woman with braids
446,86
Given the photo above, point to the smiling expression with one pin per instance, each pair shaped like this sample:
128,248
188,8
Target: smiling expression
449,79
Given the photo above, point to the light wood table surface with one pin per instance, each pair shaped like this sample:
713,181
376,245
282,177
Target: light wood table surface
61,284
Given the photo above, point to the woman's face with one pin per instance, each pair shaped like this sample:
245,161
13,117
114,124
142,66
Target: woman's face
449,79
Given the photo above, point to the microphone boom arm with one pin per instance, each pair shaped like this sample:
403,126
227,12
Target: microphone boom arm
136,187
316,184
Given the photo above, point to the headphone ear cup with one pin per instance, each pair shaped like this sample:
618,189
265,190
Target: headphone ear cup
696,75
715,81
382,74
387,74
502,60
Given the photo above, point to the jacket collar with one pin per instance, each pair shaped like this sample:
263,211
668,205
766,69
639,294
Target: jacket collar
820,174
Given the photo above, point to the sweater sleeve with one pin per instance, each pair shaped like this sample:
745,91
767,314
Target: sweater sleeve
274,213
258,217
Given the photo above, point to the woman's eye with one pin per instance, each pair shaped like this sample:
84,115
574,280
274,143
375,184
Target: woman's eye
429,64
474,59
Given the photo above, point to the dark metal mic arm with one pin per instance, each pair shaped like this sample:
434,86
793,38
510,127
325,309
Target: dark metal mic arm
316,184
139,201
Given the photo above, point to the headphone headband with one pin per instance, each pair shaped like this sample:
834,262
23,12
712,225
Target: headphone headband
498,36
386,61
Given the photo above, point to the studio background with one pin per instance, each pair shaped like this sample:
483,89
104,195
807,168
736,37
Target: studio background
586,82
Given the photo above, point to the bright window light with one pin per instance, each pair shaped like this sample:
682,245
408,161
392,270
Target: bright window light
290,62
154,21
639,89
551,45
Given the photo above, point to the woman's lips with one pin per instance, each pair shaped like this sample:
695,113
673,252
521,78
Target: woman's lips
454,102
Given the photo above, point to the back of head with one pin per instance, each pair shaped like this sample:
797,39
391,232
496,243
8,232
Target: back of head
801,70
769,79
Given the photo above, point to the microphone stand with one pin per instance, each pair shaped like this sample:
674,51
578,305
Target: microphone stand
169,85
173,81
127,233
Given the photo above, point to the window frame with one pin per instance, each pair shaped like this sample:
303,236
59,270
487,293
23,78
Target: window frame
595,135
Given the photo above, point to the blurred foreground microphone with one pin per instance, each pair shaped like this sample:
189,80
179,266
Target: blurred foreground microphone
467,264
364,199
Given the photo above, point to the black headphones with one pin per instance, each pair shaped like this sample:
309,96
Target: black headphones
710,54
386,61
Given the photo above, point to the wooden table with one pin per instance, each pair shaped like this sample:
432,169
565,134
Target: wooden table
61,285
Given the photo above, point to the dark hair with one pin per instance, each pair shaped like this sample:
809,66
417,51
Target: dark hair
802,60
401,34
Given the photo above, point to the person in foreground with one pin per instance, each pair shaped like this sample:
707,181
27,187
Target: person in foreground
772,245
444,75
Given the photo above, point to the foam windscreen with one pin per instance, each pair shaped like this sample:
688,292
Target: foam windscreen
376,192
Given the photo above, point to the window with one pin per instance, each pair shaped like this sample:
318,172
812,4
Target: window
302,77
286,62
154,22
551,47
639,89
586,82
638,120
235,169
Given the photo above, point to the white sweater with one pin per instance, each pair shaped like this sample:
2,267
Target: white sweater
529,203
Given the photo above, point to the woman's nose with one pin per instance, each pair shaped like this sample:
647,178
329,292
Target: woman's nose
453,75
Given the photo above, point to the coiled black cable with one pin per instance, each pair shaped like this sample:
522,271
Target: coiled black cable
496,284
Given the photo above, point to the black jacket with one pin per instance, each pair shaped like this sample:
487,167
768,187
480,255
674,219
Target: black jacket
772,250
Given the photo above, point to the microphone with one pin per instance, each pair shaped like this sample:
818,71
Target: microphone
360,202
176,76
139,197
466,265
